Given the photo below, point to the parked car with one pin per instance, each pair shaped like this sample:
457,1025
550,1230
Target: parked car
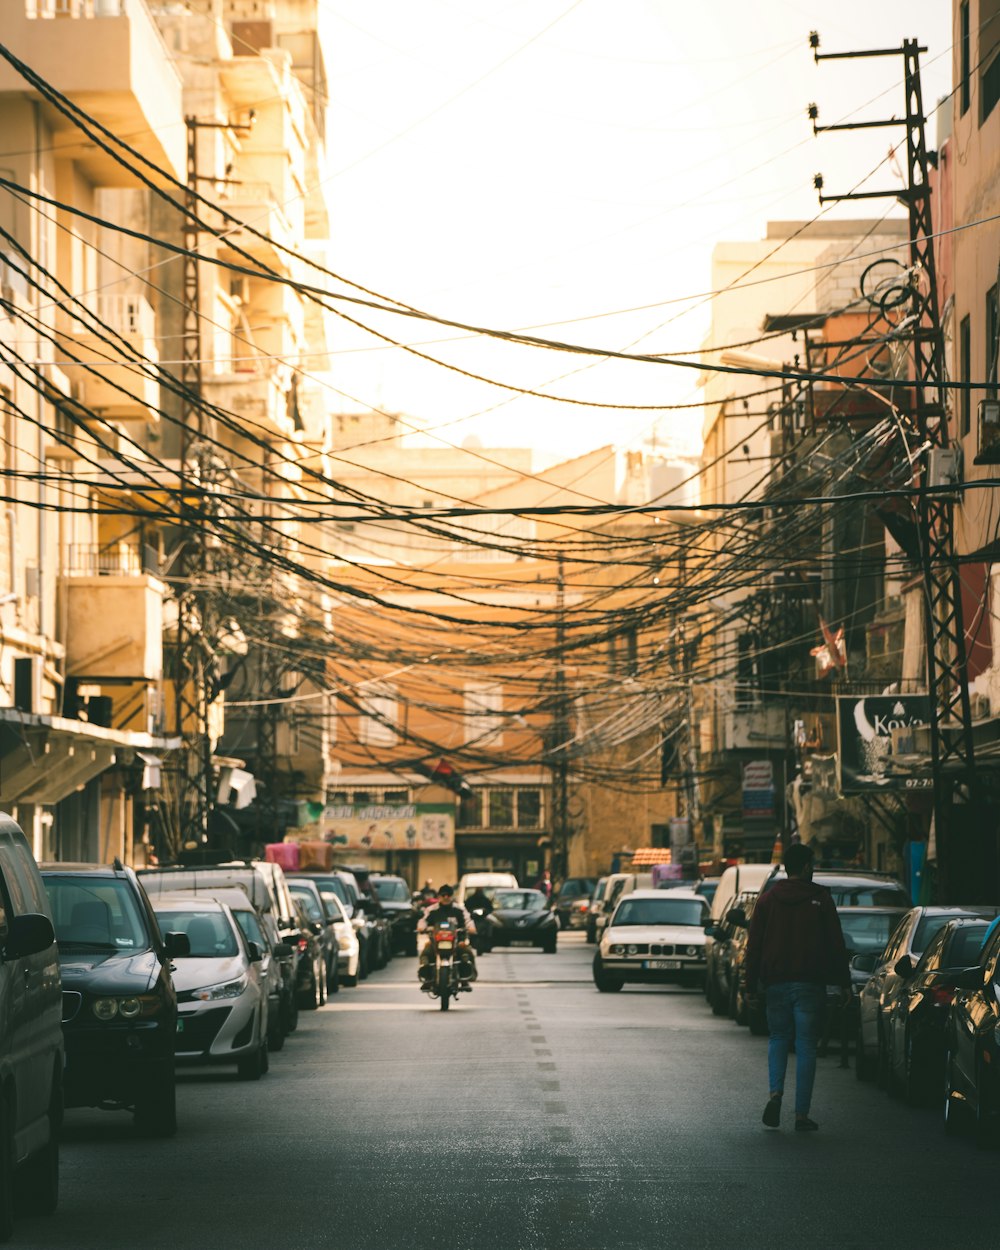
653,936
221,999
260,928
31,1039
619,883
310,984
380,923
972,1049
866,931
915,1021
343,884
119,1005
720,966
707,887
348,946
596,906
397,902
572,902
744,1007
265,886
853,887
523,918
307,894
888,972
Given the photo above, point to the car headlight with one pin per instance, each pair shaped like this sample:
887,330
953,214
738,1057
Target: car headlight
105,1008
130,1008
633,950
617,949
693,950
225,989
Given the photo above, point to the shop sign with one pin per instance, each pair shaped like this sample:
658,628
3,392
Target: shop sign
389,827
758,790
864,732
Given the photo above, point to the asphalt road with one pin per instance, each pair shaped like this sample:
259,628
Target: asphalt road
535,1115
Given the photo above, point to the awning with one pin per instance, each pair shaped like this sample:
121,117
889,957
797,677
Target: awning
43,759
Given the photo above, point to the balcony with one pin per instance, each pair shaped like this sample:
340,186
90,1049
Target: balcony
96,387
114,614
258,397
255,204
109,58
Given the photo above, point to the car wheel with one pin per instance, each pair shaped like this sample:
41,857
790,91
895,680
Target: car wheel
265,1057
251,1067
591,934
38,1179
952,1110
549,945
156,1103
411,945
292,1015
717,1001
881,1061
275,1034
324,993
605,982
333,977
350,981
864,1065
914,1085
757,1020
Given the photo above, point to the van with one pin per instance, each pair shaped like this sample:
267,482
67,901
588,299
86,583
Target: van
619,884
737,879
31,1039
471,881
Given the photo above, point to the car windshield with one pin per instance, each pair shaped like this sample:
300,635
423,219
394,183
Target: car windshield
392,891
653,911
209,932
519,900
865,934
96,914
926,929
250,926
966,944
308,901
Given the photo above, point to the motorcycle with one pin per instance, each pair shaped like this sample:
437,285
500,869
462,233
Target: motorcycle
444,983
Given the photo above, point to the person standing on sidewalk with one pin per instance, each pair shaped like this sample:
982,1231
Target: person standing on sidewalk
794,951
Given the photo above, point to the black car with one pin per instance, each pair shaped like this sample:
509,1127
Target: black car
523,918
720,984
972,1049
572,901
866,931
321,920
744,1007
396,899
380,923
310,983
889,973
119,1004
915,1021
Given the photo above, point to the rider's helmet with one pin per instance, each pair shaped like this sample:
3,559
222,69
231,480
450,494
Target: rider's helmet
446,891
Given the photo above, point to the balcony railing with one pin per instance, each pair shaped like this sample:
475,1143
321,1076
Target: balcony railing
75,8
131,316
117,560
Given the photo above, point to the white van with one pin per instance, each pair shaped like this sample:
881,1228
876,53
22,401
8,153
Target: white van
471,881
619,884
735,880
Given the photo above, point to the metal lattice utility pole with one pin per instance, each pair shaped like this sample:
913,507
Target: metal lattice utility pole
951,739
559,758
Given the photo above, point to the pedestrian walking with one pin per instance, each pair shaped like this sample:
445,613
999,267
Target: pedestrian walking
544,883
795,950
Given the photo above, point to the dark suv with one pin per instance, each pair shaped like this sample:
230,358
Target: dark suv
119,1005
397,903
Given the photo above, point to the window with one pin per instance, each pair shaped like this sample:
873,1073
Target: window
965,374
529,809
482,710
395,796
470,810
989,56
992,336
965,57
501,809
379,708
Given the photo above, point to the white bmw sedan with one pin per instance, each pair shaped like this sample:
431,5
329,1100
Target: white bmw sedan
221,997
653,936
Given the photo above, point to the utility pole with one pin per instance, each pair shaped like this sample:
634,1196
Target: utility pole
559,759
951,741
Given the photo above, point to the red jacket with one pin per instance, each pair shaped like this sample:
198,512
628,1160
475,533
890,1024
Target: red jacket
795,935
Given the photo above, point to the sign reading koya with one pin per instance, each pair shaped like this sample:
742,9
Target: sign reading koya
387,827
864,733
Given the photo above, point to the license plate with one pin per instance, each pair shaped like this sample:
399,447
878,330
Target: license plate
446,946
661,965
522,942
180,1025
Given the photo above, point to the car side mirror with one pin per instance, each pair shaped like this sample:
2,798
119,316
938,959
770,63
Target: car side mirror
255,953
903,967
29,934
865,963
713,930
282,950
176,945
969,978
738,917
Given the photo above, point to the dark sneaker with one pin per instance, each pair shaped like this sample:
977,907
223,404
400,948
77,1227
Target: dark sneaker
806,1126
772,1113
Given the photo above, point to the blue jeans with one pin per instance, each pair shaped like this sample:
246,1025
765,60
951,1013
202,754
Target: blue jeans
793,1011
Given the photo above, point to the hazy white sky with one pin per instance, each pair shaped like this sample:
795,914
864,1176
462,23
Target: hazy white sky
554,163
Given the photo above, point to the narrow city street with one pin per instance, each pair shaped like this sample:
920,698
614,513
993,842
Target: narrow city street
536,1114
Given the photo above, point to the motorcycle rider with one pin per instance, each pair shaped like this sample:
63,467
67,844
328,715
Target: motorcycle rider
480,907
447,910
